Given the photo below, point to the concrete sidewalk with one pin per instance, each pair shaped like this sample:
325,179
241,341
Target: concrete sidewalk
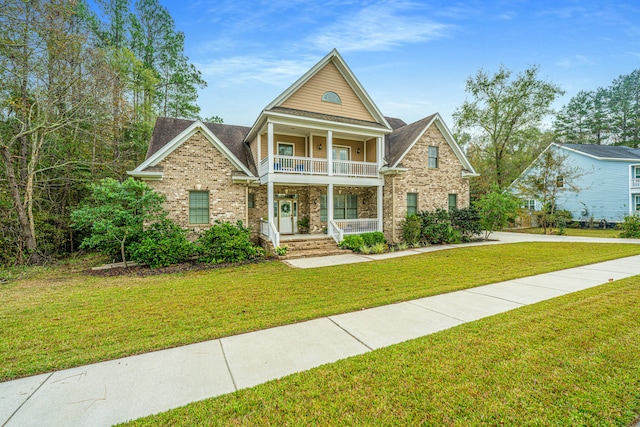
106,393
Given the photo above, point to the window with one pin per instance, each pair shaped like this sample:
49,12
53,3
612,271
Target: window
453,201
637,203
345,206
412,203
323,207
433,157
198,207
529,204
637,172
560,181
252,200
284,150
331,97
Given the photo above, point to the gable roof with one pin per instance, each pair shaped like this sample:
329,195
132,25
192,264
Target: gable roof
399,142
170,133
605,152
334,58
599,152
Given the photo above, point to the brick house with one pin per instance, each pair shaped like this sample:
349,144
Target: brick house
321,151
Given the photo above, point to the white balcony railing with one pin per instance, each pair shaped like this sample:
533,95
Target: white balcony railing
358,169
635,183
313,166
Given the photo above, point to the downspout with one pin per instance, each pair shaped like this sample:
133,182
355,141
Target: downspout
393,208
246,205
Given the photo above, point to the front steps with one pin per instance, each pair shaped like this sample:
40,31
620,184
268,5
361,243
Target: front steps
302,246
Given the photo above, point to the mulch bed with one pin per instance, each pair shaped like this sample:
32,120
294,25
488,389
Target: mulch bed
142,271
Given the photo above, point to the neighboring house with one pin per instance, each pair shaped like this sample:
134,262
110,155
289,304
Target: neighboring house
609,182
322,150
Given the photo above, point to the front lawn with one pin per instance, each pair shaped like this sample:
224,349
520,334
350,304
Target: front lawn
569,361
62,319
573,232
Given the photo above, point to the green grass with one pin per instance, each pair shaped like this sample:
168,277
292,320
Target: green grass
574,232
61,318
570,361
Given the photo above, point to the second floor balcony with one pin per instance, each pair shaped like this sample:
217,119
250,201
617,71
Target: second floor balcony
317,166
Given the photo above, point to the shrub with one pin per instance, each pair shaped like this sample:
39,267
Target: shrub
631,227
412,229
225,242
282,250
371,239
162,244
115,213
353,242
466,222
496,209
437,227
377,248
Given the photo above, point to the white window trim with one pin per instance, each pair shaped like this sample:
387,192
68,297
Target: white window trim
342,146
291,144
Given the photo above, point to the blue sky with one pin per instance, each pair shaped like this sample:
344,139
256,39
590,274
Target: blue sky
413,57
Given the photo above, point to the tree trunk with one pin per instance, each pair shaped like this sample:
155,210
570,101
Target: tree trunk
26,231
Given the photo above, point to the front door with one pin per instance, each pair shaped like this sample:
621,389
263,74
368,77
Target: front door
341,154
285,217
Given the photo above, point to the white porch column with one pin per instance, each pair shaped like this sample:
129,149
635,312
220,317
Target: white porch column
379,152
380,205
330,155
270,146
270,200
259,153
330,203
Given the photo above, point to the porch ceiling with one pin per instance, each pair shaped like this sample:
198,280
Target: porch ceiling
306,131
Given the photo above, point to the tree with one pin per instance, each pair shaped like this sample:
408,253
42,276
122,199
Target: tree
608,115
49,84
501,112
115,213
551,175
496,209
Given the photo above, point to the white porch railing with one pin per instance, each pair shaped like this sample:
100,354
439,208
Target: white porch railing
269,230
359,169
338,228
334,231
635,183
357,226
313,166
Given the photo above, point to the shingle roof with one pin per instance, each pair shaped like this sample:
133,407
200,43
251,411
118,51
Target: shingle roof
398,141
395,123
231,136
606,151
328,117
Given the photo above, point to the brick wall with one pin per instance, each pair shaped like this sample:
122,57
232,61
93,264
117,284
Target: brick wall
198,165
432,185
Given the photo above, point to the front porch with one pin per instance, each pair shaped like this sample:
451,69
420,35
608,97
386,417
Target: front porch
317,211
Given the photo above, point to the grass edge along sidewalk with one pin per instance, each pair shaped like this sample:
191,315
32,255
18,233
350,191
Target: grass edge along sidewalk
571,360
70,320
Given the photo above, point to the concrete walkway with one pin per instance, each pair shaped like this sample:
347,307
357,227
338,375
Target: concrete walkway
110,392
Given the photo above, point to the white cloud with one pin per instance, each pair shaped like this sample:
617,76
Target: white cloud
380,26
575,61
244,69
